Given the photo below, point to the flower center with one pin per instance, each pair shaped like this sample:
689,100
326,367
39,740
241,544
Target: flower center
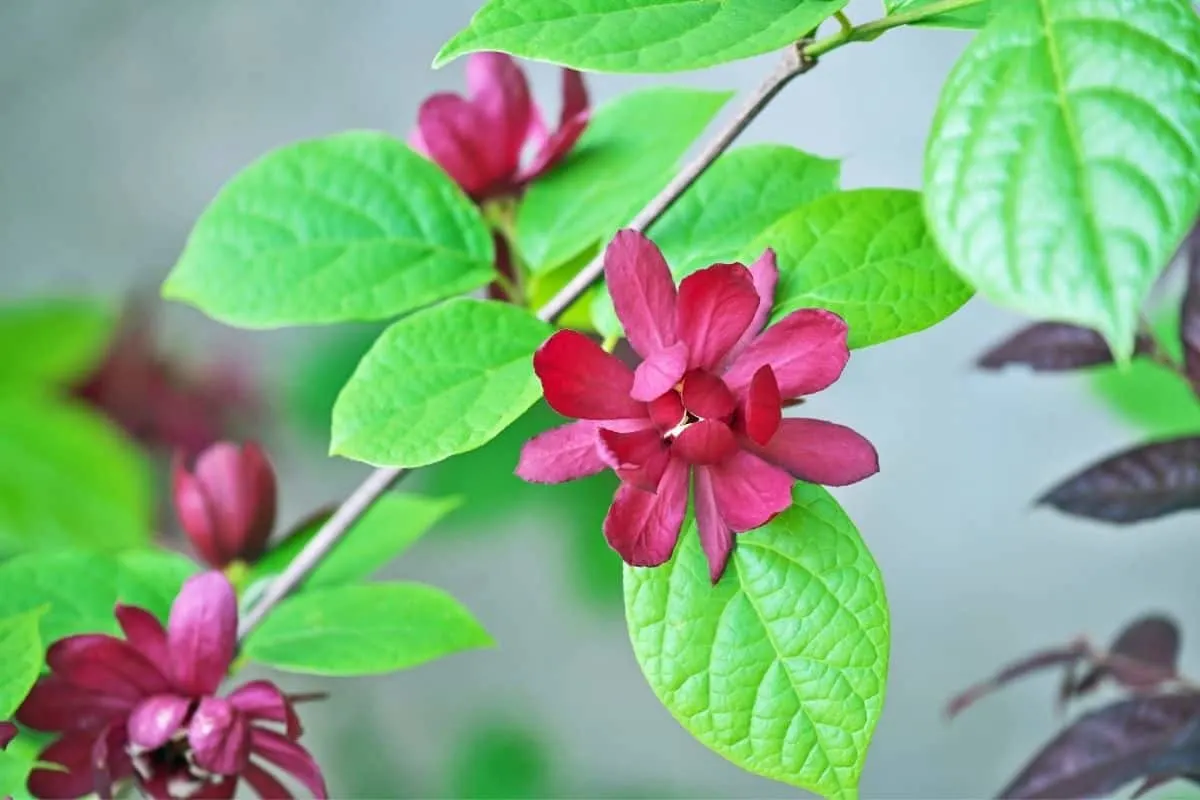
170,769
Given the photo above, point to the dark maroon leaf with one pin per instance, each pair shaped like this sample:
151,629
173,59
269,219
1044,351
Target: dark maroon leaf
1106,749
1143,656
1189,322
1043,659
1054,347
1142,483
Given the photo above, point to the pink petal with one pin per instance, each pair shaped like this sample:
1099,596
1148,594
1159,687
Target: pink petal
707,396
715,307
549,149
574,97
224,790
667,411
554,149
238,483
638,457
762,408
749,491
716,538
8,732
580,380
145,634
196,515
156,719
104,664
288,755
643,291
262,700
821,452
806,349
765,275
561,454
643,526
501,94
264,783
454,133
202,633
219,736
709,441
56,705
73,752
110,760
659,373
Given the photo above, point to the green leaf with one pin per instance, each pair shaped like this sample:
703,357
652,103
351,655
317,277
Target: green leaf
975,16
391,525
638,35
627,155
503,761
14,771
867,256
350,227
744,193
152,578
20,659
781,667
440,382
67,478
1063,168
364,630
52,340
80,590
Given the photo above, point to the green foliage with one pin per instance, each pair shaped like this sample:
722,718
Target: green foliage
498,761
440,382
152,578
781,667
393,524
20,660
638,35
867,256
67,478
1056,182
971,17
312,388
366,629
51,340
627,154
743,194
354,226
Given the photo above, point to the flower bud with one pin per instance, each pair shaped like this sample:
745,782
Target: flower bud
226,503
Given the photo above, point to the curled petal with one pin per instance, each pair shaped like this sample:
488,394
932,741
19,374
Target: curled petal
554,148
501,94
286,754
806,349
638,457
156,719
821,452
452,132
262,700
765,275
219,736
643,526
716,306
660,372
8,732
707,396
264,783
145,634
748,491
561,454
110,760
56,705
708,441
643,291
72,752
580,380
104,664
716,537
195,514
667,411
762,409
202,633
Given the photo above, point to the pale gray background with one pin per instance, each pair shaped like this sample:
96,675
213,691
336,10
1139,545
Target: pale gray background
121,118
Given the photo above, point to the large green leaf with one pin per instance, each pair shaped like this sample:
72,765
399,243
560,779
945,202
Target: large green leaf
440,382
364,630
638,35
781,667
1063,168
350,227
866,255
52,340
68,478
20,659
744,193
391,525
628,153
974,16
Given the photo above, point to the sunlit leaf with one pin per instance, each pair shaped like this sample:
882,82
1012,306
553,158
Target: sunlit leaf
20,658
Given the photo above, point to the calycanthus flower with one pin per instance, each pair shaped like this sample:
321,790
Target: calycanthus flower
145,707
705,400
480,142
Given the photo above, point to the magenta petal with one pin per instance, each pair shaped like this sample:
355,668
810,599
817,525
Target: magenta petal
223,790
580,380
145,634
575,101
561,454
155,720
765,275
643,526
262,700
707,396
454,134
638,457
715,307
716,538
660,372
202,632
110,760
643,291
74,753
56,705
8,732
666,411
105,664
749,491
762,409
288,755
806,349
238,483
821,452
501,94
196,515
264,783
219,736
709,441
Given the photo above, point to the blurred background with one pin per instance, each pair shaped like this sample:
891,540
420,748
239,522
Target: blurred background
122,118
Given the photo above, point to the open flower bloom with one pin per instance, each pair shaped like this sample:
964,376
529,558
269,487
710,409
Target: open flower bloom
480,141
145,707
706,400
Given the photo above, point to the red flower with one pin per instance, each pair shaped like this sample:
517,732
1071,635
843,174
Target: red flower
8,732
479,142
706,399
144,707
226,504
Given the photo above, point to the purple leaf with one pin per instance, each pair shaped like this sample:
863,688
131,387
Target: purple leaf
1106,749
1143,656
1189,323
1055,347
1142,483
1043,659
